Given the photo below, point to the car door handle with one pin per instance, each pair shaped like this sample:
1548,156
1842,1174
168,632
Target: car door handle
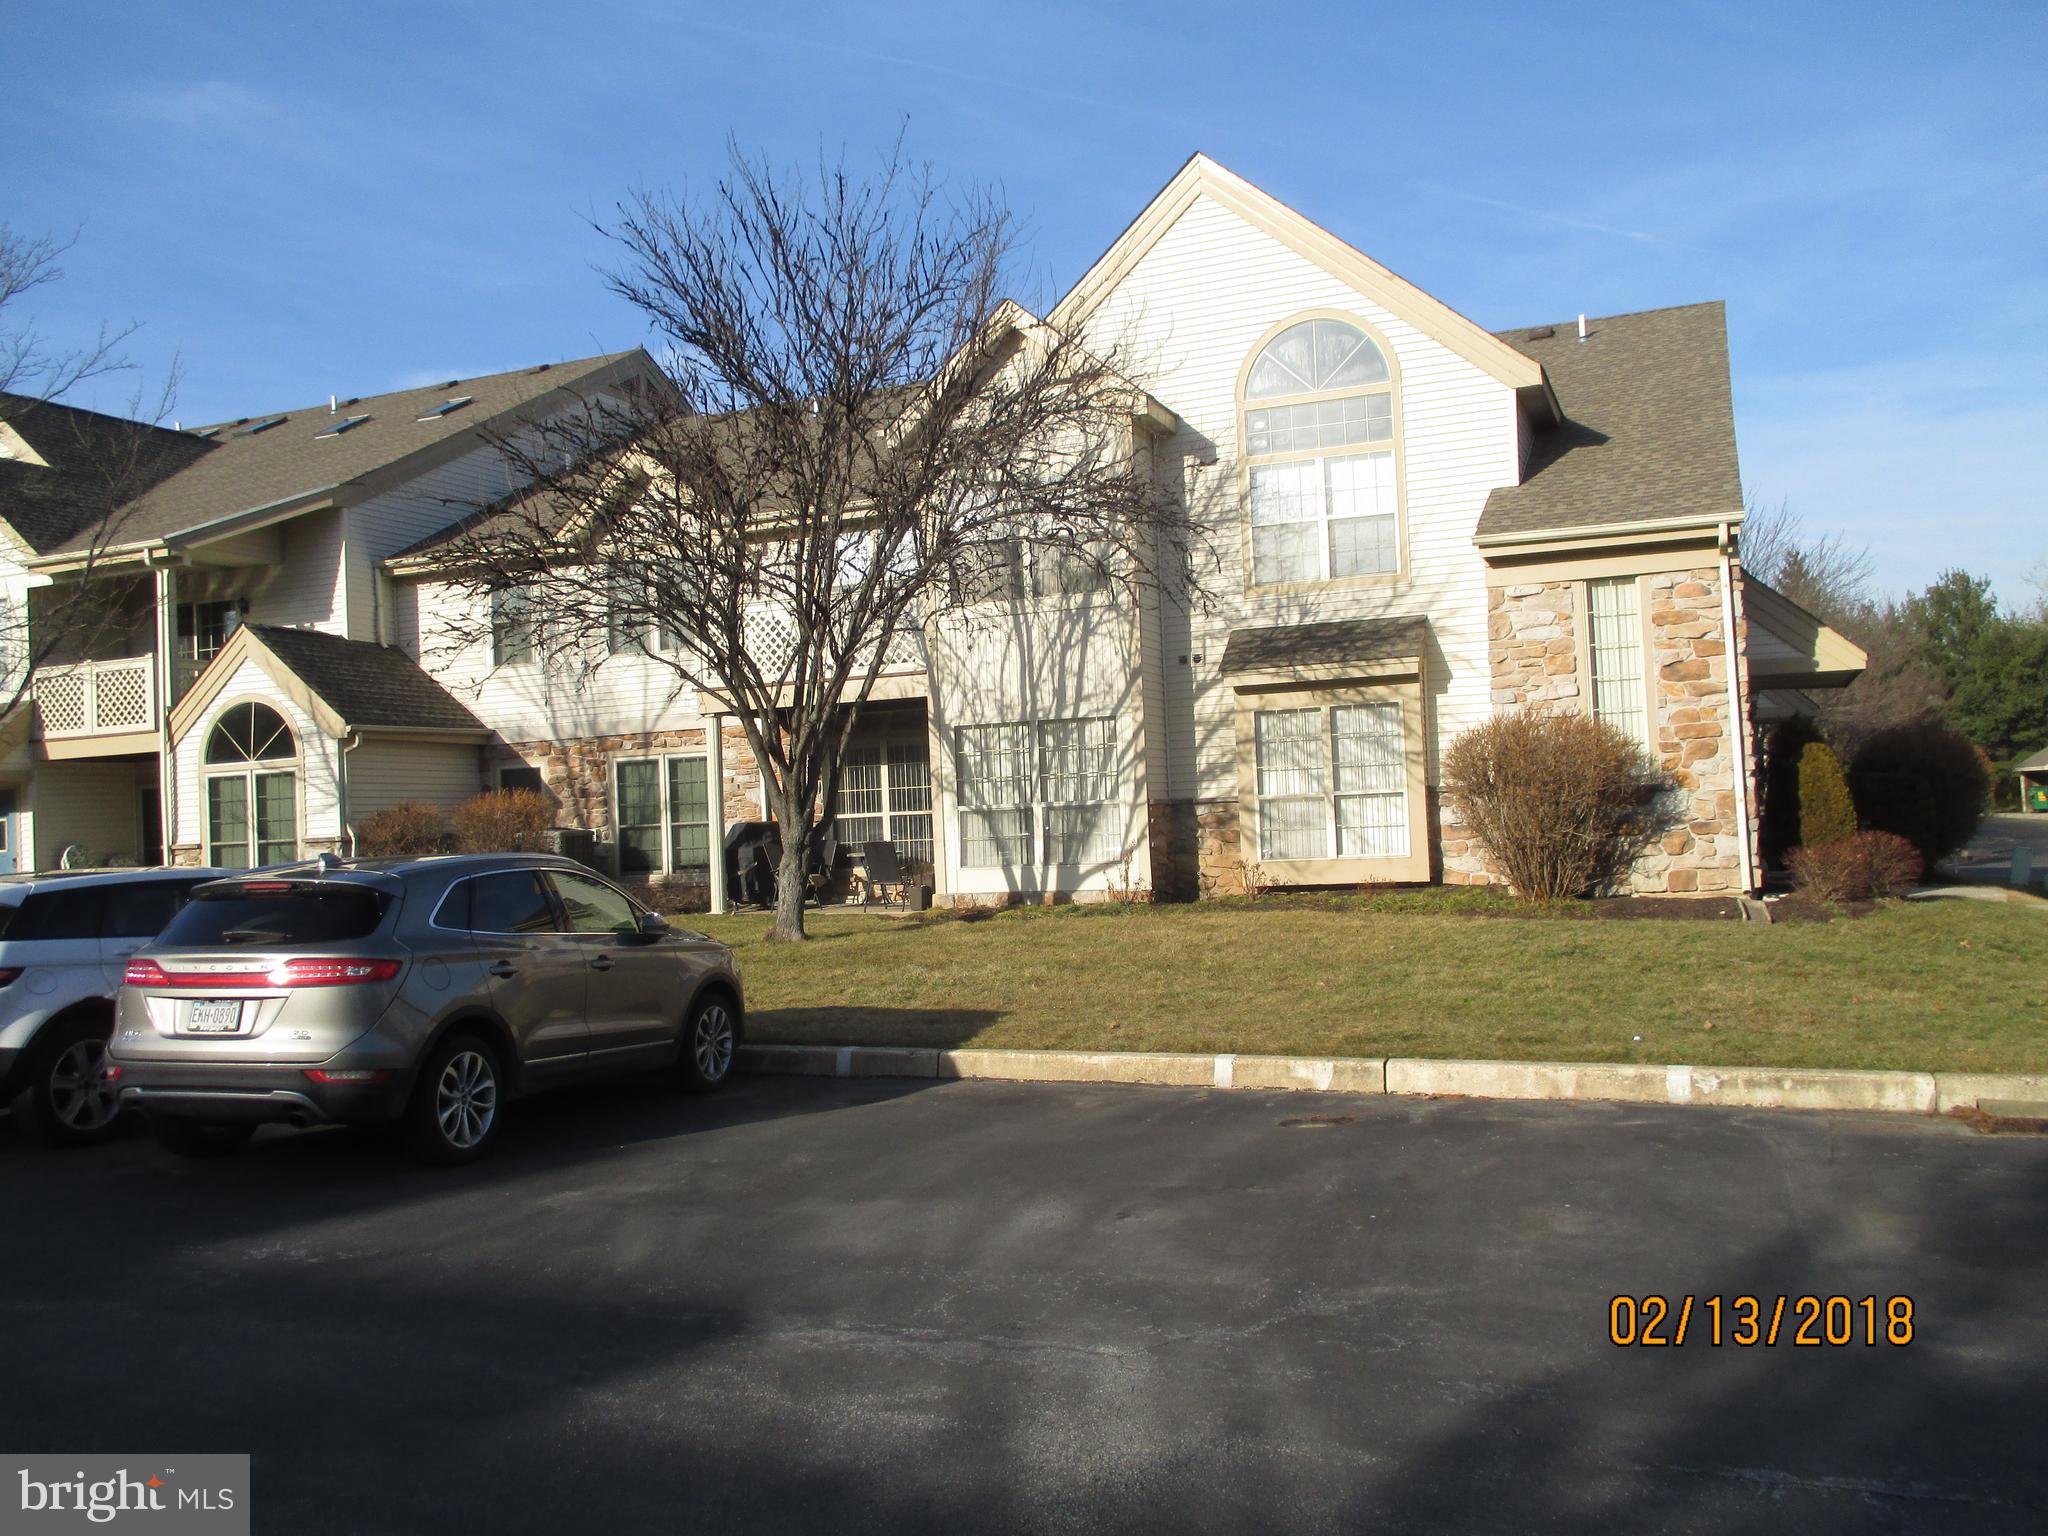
504,968
601,963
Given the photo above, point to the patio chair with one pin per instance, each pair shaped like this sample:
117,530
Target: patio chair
824,855
879,874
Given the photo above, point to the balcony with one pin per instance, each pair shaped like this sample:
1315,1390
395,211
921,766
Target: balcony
82,700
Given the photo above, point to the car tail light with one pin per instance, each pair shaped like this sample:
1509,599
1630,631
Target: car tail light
345,1079
332,973
110,1073
307,971
9,973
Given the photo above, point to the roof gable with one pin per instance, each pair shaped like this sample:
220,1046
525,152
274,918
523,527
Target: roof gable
346,685
1203,177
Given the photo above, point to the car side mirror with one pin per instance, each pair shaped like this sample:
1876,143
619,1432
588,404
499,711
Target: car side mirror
653,925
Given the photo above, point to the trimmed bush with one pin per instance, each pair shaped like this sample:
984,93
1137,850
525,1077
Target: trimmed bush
1562,802
505,821
1827,814
1778,818
409,828
1924,783
1857,868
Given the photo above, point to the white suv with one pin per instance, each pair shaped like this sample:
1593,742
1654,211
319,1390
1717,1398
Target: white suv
65,939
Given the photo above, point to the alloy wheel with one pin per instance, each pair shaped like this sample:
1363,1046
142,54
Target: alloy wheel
81,1097
466,1099
712,1043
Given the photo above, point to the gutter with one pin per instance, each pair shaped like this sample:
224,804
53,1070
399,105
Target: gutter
355,739
1582,530
1738,725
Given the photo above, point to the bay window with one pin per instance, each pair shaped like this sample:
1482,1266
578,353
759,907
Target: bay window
1331,781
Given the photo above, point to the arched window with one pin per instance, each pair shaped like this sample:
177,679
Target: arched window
252,788
250,733
1319,439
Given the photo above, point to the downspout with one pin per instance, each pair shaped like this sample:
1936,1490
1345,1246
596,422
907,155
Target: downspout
1738,724
348,833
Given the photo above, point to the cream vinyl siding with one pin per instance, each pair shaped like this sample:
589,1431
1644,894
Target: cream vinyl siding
627,695
96,804
1067,658
319,817
1186,319
383,525
306,590
389,770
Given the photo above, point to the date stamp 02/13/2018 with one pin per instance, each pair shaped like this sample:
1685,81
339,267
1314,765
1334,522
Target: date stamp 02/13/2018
1746,1321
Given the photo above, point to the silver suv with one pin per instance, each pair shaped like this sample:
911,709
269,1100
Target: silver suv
64,941
429,992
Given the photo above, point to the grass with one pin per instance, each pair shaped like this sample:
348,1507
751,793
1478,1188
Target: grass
1960,986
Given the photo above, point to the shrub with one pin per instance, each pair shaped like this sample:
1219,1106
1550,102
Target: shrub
410,827
505,821
1778,819
1857,868
1826,812
1562,802
1922,782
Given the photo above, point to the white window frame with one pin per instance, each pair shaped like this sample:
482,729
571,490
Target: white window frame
1328,773
899,792
248,772
1021,782
510,630
1321,460
1104,841
712,823
1632,642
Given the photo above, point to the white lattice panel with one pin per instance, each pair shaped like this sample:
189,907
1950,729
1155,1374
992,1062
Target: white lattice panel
121,697
61,698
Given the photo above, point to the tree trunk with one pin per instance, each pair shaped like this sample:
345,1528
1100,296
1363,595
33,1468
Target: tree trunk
792,885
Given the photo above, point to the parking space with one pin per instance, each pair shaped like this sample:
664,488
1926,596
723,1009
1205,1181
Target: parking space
976,1306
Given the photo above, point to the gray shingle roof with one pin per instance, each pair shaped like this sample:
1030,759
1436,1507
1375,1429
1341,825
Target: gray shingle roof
1649,429
240,473
365,683
2038,763
92,464
1282,646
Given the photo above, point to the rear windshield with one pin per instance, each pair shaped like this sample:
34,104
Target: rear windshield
276,917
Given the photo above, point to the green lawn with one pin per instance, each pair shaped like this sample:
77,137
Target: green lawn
1949,985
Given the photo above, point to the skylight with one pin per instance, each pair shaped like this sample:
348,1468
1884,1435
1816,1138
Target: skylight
434,411
208,432
261,426
336,428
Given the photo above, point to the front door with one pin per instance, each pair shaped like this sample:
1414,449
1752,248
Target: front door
536,971
635,1003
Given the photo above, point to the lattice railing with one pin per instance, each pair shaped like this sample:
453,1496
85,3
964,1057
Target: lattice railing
93,698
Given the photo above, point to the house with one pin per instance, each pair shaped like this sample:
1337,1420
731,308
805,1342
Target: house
1419,523
215,675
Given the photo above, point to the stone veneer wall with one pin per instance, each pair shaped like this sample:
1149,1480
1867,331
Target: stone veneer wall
1534,652
578,774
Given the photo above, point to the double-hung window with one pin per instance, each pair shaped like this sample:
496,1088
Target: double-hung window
995,778
1332,781
1077,782
512,626
1614,647
663,809
1319,403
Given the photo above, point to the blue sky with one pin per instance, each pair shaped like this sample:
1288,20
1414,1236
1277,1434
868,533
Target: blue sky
303,200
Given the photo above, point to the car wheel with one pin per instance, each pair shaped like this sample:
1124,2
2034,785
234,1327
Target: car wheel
65,1102
457,1104
710,1037
199,1138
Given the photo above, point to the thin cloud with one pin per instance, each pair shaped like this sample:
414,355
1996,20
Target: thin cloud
1546,215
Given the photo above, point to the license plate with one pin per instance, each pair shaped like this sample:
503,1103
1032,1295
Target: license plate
215,1016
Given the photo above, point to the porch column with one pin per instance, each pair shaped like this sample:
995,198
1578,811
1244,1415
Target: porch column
714,738
166,665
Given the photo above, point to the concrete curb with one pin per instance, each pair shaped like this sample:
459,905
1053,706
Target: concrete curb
1911,1093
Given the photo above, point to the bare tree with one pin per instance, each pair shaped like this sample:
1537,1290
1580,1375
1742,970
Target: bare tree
1826,575
87,470
857,433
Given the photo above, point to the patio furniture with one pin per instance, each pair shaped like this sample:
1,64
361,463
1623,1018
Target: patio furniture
824,855
880,873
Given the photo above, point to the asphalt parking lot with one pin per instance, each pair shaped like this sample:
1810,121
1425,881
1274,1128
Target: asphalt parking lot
975,1306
